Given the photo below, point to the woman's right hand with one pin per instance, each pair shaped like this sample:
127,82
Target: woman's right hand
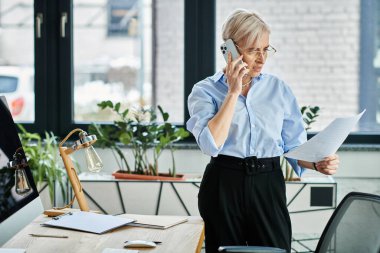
235,71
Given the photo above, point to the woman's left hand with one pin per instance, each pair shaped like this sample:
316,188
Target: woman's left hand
329,165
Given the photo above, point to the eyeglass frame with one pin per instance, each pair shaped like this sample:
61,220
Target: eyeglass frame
263,53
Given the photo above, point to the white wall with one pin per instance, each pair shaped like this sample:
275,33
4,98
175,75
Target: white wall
359,164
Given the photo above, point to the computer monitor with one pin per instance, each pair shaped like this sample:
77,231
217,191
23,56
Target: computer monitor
19,204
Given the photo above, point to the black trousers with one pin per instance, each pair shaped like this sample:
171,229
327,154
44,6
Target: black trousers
243,202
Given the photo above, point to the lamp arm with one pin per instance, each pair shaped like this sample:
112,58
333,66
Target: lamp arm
73,177
71,172
84,141
68,136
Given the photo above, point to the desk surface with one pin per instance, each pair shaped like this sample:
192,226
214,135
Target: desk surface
185,237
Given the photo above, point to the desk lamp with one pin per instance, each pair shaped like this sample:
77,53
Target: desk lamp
21,180
94,164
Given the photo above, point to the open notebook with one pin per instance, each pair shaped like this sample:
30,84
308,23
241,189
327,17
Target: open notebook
88,222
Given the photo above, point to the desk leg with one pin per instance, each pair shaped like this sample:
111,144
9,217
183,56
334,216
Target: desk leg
201,240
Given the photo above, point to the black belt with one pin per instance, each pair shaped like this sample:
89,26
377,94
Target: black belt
252,165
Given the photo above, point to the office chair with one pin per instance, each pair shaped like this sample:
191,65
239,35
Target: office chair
353,227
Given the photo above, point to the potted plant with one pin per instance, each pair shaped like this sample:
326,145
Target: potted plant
309,114
139,130
43,160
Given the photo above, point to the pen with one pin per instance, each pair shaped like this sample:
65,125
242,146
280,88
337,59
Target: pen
51,236
59,216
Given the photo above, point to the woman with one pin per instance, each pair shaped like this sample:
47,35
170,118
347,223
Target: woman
246,120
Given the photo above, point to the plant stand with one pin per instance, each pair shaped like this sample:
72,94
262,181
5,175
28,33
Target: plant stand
161,176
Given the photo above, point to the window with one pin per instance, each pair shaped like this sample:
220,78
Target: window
318,54
114,60
168,54
149,52
370,63
16,63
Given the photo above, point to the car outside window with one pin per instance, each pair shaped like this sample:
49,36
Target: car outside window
8,84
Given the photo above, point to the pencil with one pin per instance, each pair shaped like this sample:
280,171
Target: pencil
51,236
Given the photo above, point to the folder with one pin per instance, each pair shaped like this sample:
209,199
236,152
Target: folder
88,222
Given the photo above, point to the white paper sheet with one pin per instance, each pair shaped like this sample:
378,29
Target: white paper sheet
88,222
326,142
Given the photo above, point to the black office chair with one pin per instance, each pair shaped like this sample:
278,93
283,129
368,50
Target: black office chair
353,227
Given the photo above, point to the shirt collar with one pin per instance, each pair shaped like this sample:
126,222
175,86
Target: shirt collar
220,75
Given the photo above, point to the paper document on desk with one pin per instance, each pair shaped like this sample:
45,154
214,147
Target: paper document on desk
159,222
88,222
326,142
4,250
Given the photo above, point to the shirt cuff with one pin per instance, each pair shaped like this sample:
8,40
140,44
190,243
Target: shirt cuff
298,169
207,144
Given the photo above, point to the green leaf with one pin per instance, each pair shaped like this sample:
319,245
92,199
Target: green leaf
125,138
117,107
165,115
125,113
316,108
105,104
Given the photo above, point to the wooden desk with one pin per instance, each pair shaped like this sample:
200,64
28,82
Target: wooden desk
182,238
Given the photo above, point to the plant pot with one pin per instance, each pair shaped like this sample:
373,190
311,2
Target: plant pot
161,176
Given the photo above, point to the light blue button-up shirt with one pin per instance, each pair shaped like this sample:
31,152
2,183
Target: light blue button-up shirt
266,123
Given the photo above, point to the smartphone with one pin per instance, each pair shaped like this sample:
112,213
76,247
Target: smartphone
229,46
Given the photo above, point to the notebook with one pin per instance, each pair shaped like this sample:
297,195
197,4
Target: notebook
159,222
88,222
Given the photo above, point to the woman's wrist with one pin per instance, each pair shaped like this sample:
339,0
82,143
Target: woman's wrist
314,166
233,94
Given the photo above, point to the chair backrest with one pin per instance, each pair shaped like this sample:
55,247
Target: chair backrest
354,226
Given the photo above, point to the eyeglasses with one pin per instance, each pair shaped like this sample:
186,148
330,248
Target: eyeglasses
256,53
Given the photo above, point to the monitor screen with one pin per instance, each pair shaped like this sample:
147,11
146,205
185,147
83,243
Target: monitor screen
17,187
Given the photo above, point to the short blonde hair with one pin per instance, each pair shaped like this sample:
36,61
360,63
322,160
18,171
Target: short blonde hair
244,25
